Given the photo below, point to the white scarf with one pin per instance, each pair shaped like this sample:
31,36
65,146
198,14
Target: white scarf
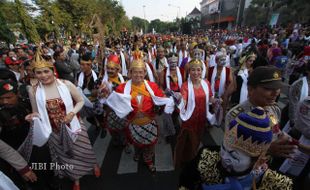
124,67
165,63
185,114
81,78
244,74
182,56
178,75
150,56
227,61
149,73
154,50
66,97
222,81
304,89
204,70
212,62
121,103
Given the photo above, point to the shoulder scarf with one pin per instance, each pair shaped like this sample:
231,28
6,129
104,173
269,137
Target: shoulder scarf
121,103
65,95
178,75
212,61
304,89
222,81
244,74
185,114
204,70
124,67
81,78
149,72
165,63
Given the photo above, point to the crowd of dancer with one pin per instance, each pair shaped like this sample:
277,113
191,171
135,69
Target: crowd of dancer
219,78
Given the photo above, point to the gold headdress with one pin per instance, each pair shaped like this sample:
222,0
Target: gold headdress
39,62
137,54
137,63
195,62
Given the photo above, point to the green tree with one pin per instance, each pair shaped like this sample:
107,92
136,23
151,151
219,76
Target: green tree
260,11
139,23
28,26
5,33
51,19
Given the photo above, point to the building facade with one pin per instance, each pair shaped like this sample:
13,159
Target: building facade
223,13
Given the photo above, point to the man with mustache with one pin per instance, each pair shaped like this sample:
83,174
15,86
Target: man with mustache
14,130
113,78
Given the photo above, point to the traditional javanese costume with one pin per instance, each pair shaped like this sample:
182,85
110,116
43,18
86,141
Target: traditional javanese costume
69,143
150,70
219,84
249,134
173,83
195,115
115,124
138,103
241,93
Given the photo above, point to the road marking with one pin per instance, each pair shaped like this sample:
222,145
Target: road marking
163,156
127,164
101,147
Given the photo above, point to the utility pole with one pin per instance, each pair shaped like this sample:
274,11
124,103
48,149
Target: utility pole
144,19
238,14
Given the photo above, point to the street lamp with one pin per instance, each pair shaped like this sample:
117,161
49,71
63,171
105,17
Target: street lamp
179,11
144,19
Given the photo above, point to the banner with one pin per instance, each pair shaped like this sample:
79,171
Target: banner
213,7
274,19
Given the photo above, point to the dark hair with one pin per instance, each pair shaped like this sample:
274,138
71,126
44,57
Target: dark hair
57,54
86,57
6,74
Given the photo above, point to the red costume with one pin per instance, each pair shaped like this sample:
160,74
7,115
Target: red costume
192,130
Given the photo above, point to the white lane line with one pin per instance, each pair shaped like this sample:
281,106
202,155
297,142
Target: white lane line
163,156
127,164
101,147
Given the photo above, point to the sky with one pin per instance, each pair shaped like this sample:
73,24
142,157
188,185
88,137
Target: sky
159,9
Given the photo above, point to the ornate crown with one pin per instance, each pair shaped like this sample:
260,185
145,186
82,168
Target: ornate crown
39,62
250,132
195,62
137,54
137,63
